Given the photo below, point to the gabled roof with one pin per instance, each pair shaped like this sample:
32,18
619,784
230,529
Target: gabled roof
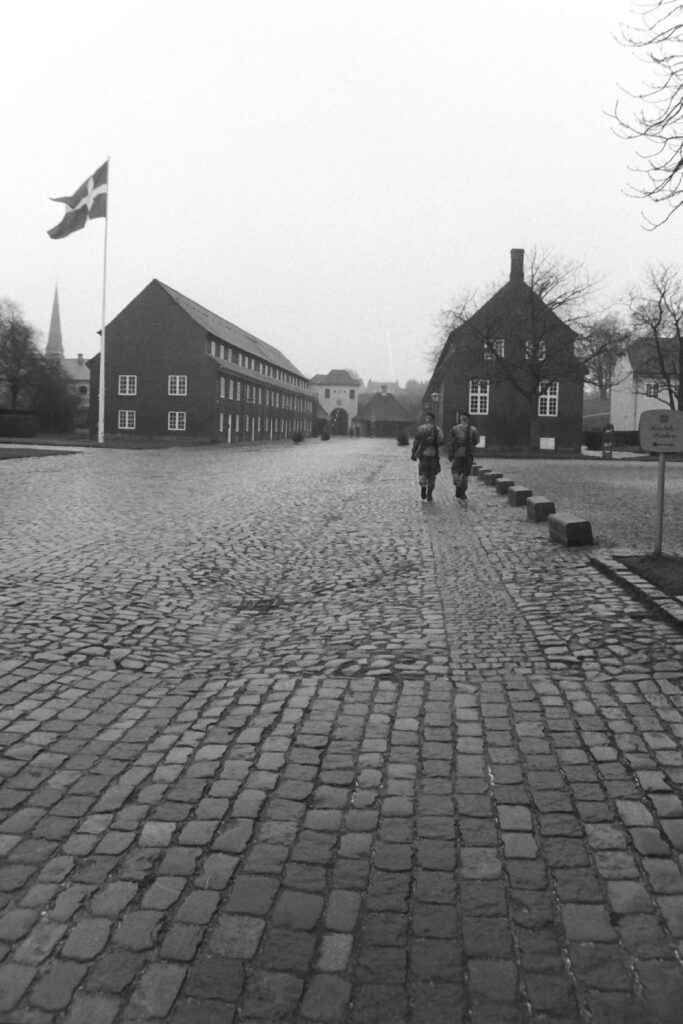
340,378
229,333
77,369
385,408
504,305
645,356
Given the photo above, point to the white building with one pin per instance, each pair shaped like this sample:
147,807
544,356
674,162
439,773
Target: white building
337,393
642,376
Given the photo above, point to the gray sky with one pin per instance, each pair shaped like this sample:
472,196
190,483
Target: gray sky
326,175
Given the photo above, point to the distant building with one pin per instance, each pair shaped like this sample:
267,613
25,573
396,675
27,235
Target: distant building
337,393
376,387
511,366
643,376
175,370
382,415
76,368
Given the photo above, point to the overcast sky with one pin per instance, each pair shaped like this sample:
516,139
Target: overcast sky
327,174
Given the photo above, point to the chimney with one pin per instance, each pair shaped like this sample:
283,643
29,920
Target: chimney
80,359
517,266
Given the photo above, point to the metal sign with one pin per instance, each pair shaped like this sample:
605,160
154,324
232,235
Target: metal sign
661,431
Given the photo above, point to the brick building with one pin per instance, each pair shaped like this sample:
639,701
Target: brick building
512,367
175,370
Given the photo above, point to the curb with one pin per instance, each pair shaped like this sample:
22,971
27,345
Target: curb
669,608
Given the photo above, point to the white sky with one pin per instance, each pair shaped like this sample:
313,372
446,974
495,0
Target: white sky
327,174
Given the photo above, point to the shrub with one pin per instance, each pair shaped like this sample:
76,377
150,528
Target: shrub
17,425
402,439
298,437
325,436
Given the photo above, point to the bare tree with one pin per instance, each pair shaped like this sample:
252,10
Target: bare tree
655,117
19,356
657,315
527,338
599,348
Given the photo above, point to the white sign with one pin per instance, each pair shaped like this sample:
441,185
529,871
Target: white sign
661,431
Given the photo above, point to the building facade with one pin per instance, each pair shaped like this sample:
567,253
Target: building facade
175,370
337,393
382,415
647,376
511,366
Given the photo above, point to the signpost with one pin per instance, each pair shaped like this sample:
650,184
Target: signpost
661,432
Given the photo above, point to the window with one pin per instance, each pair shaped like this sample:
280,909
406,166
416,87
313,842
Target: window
652,390
479,397
238,390
535,350
494,348
327,392
126,419
231,388
177,420
222,387
177,384
128,384
352,393
547,399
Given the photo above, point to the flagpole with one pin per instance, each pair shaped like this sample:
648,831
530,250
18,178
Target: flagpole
100,417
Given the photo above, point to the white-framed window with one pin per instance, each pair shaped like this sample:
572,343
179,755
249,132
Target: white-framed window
177,421
535,349
126,419
177,384
221,421
547,398
128,384
222,387
231,388
479,397
238,390
494,348
652,389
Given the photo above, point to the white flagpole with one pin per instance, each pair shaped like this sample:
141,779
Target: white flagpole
100,416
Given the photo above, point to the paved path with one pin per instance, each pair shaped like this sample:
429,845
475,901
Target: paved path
280,742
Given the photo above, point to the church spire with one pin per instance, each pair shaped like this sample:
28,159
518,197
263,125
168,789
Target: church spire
54,338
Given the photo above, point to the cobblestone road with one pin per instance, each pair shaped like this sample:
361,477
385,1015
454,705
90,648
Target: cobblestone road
282,743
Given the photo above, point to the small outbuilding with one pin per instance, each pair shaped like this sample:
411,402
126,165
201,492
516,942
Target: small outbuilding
382,415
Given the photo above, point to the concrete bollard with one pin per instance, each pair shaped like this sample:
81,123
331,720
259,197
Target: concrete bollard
517,496
569,530
491,477
538,508
503,485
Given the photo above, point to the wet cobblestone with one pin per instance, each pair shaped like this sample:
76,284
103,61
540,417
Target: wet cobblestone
278,741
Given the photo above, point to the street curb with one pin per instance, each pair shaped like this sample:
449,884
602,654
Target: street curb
669,608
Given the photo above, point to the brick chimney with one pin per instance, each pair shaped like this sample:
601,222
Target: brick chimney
517,266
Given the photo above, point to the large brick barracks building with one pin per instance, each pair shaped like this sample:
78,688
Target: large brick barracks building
175,370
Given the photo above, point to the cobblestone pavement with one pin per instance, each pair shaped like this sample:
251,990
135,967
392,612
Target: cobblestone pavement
281,742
